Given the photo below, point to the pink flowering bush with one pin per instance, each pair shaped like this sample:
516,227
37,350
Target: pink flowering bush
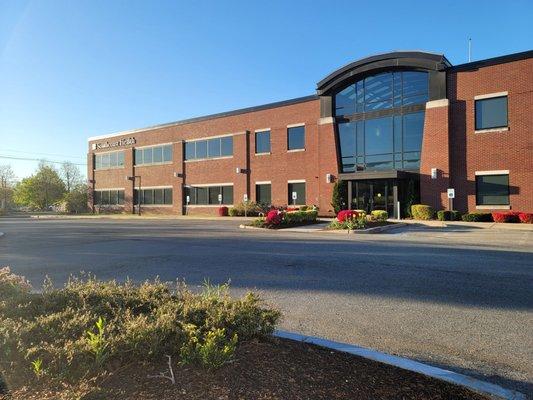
274,218
345,215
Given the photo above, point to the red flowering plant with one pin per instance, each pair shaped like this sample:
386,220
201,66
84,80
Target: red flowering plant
274,218
349,219
526,218
345,215
511,216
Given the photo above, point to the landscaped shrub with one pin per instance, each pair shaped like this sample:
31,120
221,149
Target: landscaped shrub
251,209
526,218
477,217
446,215
380,215
510,216
344,215
223,211
89,326
422,211
274,218
339,196
299,217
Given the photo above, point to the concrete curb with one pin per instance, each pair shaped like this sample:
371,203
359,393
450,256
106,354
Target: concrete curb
455,378
377,229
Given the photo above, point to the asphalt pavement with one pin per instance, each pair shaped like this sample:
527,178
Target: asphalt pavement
457,297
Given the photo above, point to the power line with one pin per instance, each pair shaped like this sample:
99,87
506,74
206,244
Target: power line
44,154
39,159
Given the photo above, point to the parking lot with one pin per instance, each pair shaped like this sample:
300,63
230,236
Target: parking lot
458,297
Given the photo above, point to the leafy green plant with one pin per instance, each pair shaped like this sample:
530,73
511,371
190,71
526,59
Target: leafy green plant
37,367
380,215
477,217
339,196
210,350
133,321
422,211
97,342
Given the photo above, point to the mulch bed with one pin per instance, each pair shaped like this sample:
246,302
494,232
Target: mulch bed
274,369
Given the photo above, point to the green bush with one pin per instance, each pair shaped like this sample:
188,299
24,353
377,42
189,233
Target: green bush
210,350
380,215
299,217
82,329
339,196
359,222
446,215
422,211
249,209
477,217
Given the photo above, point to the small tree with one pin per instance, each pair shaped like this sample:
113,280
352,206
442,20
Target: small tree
76,201
71,176
339,197
41,190
7,177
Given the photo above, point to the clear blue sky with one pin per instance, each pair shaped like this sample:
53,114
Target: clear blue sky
73,69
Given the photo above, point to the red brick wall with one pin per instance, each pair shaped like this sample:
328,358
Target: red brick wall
507,150
277,167
435,154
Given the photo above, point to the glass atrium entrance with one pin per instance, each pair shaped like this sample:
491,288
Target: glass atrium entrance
384,194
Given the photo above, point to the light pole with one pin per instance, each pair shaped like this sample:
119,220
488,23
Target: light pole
132,178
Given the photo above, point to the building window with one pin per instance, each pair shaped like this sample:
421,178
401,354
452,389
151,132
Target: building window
262,142
158,196
109,160
109,197
209,195
383,91
299,189
491,113
263,193
209,148
381,143
492,190
296,138
153,155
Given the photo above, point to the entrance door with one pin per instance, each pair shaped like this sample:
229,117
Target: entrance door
369,195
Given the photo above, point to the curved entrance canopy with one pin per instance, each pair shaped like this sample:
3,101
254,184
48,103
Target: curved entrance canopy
434,64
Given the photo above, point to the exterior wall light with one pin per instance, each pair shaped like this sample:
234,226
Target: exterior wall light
433,173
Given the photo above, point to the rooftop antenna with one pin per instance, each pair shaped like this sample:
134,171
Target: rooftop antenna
469,49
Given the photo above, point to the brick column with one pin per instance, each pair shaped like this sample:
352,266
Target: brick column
327,163
241,160
435,154
129,170
178,181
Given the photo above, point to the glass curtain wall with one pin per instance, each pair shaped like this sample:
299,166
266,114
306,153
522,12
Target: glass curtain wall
380,121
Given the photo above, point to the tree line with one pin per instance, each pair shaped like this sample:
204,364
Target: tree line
49,188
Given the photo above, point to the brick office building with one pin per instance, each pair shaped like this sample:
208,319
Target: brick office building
398,127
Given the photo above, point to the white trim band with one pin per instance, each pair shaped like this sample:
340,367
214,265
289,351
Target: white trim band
152,145
153,187
491,95
296,181
496,172
263,182
102,189
209,137
437,103
208,184
262,130
295,125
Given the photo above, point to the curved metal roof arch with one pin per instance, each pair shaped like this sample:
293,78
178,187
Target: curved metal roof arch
412,59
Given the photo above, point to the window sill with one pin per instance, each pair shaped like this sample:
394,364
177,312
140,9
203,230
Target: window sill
295,150
207,159
108,168
503,129
494,207
153,164
207,205
266,153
